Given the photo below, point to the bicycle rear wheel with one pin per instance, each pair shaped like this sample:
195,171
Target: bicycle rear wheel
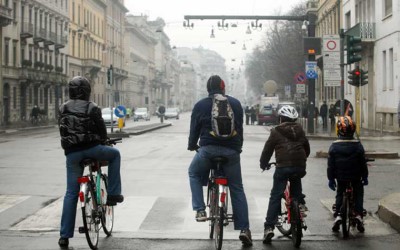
296,228
345,213
90,219
213,205
283,224
219,227
107,216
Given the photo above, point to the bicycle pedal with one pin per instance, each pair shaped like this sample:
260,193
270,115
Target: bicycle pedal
82,230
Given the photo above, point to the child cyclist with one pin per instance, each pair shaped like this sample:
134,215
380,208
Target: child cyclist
346,162
291,148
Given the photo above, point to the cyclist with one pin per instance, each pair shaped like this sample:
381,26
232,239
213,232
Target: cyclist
291,148
200,128
82,132
346,162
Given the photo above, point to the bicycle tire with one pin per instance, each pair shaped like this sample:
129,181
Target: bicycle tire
90,219
296,228
219,228
212,201
107,215
284,226
345,213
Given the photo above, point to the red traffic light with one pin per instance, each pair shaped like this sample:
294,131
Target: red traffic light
357,72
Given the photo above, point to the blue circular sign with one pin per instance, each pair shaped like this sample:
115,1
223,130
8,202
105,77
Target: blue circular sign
120,111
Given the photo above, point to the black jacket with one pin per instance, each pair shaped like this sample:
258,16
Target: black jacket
346,160
81,125
290,144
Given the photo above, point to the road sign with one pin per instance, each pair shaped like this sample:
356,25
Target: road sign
299,78
311,70
301,88
331,43
331,59
120,111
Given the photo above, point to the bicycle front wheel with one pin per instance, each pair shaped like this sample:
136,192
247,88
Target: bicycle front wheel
297,232
345,213
213,206
219,227
107,218
90,220
283,224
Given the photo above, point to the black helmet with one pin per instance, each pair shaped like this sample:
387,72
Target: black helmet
346,127
215,85
79,88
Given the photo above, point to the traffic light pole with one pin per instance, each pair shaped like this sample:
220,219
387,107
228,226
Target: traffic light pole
341,71
311,82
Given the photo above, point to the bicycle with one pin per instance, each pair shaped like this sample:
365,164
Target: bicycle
217,201
290,220
93,197
347,211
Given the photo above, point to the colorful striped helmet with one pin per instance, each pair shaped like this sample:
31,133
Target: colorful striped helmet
346,126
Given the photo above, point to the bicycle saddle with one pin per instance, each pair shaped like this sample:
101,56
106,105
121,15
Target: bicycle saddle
219,159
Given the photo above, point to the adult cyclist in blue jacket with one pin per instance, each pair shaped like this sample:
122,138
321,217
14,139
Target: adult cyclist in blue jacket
211,146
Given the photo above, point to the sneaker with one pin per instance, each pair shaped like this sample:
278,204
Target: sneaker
268,234
63,242
360,224
303,209
337,223
112,200
201,216
245,237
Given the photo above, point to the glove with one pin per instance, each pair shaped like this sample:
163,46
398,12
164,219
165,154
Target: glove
365,181
265,167
332,184
193,148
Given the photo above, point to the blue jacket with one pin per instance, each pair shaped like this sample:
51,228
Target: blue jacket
200,125
346,160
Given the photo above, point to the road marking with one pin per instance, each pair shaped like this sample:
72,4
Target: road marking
7,201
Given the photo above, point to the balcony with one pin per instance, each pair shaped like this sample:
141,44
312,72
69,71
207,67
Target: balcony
60,42
366,31
10,72
26,30
5,15
91,63
39,35
51,38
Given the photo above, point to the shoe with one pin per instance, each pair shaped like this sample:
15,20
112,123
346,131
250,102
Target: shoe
360,224
303,209
201,216
268,234
112,200
245,237
337,223
63,242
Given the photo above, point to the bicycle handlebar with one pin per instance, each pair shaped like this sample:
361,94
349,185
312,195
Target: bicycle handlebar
369,159
113,141
269,165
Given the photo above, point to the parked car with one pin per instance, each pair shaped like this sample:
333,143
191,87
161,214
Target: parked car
267,115
171,113
106,114
141,113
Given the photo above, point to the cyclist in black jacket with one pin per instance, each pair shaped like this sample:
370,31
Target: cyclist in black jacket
346,162
83,131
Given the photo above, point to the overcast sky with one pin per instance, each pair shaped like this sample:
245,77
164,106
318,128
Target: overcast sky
173,12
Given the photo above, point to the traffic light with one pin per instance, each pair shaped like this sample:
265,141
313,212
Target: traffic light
364,77
110,75
354,77
353,49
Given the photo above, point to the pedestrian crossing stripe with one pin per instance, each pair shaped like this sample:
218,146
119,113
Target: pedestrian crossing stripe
8,201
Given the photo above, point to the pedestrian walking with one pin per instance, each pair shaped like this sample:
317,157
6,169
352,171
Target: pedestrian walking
323,112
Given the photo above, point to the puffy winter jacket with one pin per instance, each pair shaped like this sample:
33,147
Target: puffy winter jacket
290,144
346,160
81,125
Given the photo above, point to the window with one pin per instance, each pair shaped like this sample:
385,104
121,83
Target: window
6,51
15,53
347,20
388,9
15,11
390,70
384,83
73,11
15,97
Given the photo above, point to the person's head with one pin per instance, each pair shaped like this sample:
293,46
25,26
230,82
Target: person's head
215,85
345,127
287,114
79,88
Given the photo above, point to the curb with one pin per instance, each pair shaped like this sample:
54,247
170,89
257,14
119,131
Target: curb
389,209
132,131
142,131
368,154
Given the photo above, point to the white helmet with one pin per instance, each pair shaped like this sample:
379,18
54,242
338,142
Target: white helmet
289,112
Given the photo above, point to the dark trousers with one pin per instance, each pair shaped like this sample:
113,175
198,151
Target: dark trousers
358,194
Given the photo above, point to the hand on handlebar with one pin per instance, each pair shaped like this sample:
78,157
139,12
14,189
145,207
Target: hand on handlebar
267,166
193,148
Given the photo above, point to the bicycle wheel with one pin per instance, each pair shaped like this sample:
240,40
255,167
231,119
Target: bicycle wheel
90,220
283,224
107,215
219,227
213,205
296,223
345,213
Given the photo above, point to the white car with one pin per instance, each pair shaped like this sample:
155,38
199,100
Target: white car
172,113
141,113
106,114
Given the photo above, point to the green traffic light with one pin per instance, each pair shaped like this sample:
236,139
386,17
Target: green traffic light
353,47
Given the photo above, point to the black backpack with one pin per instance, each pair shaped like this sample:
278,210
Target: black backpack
222,117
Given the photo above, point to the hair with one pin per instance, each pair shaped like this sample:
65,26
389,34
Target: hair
215,84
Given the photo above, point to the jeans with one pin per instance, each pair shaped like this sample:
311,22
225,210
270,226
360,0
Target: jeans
358,194
281,177
74,170
198,177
